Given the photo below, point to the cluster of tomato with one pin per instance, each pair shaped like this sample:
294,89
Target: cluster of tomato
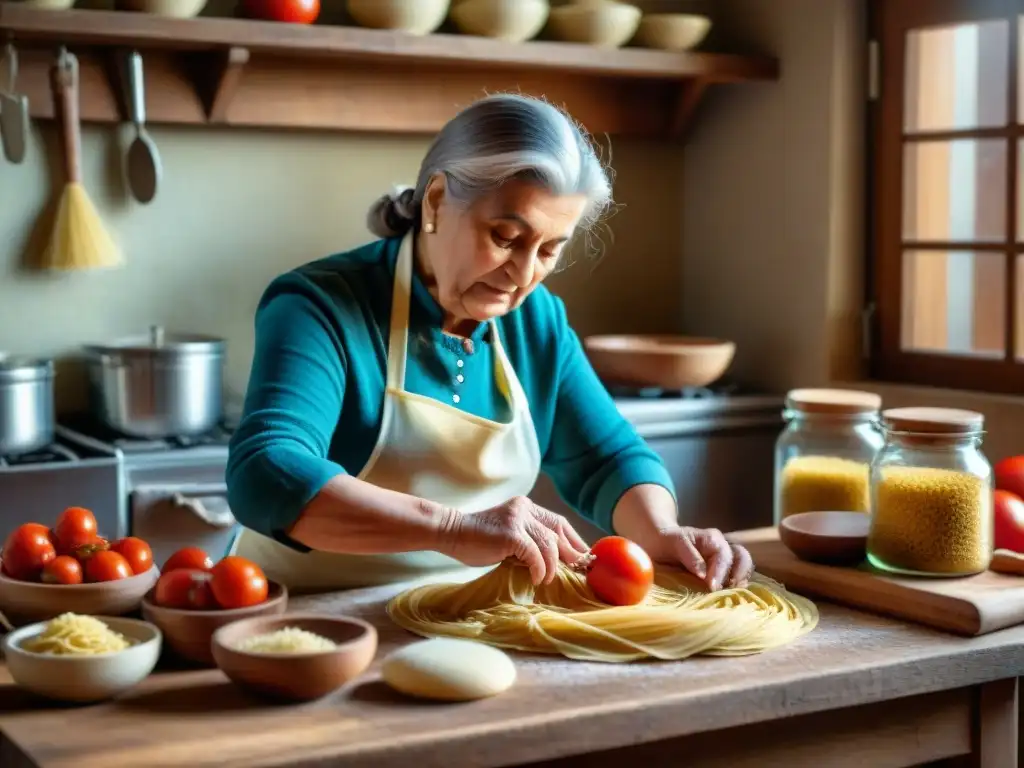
72,552
1009,504
191,581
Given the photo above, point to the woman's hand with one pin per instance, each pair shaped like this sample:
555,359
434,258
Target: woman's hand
518,528
705,553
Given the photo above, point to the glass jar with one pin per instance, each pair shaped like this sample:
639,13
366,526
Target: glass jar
823,456
931,490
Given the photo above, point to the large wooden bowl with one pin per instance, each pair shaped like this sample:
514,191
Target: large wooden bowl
25,602
669,362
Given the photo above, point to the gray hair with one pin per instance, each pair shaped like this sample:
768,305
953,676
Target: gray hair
496,139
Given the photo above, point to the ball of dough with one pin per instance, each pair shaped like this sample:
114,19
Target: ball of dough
448,669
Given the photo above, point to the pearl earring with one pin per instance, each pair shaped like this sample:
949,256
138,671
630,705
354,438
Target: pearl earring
428,228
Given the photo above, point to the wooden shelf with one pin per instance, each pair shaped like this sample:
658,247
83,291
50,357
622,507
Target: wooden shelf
264,74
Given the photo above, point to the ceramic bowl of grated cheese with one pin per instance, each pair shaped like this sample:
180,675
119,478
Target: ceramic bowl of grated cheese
298,656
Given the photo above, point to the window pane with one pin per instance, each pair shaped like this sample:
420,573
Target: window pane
956,76
1020,308
954,190
954,302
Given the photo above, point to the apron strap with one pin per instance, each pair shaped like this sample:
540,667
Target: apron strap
398,337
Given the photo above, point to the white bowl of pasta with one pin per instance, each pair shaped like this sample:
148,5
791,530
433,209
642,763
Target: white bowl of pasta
82,659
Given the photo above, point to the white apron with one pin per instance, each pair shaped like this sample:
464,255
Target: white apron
427,449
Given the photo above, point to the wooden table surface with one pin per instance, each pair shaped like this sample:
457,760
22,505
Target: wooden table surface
558,708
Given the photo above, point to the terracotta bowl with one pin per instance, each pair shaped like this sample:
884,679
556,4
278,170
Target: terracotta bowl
829,538
188,633
670,362
83,679
24,602
296,677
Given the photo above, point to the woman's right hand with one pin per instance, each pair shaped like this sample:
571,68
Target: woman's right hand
518,528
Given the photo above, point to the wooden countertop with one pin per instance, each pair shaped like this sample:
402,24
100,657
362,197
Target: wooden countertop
558,708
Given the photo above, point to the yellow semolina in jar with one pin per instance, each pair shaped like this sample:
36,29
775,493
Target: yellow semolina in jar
824,483
932,521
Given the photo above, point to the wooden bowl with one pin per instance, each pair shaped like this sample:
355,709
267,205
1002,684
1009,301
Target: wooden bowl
83,679
670,362
178,9
25,602
188,633
416,17
595,22
296,676
829,538
514,21
672,31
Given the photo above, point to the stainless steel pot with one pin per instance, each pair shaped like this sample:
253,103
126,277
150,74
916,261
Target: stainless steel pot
26,404
163,385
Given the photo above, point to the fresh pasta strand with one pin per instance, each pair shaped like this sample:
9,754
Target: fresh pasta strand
678,619
73,635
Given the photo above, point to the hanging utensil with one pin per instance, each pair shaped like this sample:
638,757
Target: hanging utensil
13,112
142,161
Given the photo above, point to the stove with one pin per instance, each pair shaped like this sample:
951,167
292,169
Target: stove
170,492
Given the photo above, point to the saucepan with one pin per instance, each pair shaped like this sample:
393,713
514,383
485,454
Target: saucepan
26,404
160,385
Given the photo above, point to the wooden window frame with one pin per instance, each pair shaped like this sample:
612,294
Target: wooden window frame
888,23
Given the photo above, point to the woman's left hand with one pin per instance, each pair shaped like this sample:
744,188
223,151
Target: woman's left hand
706,554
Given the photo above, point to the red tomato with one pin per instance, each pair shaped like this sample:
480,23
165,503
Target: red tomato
621,572
27,549
107,566
1009,475
83,552
1009,521
75,527
186,589
292,11
189,557
238,583
63,569
136,552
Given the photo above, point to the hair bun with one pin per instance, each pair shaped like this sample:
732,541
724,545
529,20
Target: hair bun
394,214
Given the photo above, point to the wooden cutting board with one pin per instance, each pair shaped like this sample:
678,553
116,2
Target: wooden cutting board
975,605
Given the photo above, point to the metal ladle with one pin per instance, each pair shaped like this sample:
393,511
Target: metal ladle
142,162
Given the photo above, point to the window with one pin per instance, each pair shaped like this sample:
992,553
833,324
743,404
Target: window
947,193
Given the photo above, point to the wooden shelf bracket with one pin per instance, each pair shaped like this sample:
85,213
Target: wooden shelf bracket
690,95
216,78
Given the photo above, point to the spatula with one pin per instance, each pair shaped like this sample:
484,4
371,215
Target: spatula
13,112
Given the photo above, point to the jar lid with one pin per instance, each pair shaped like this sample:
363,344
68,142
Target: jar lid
840,402
933,421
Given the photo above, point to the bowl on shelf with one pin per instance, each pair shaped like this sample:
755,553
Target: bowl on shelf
24,602
86,678
46,5
188,634
672,31
828,538
604,23
514,21
668,362
296,676
179,9
417,17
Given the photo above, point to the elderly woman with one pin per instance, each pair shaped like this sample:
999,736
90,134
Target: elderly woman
405,395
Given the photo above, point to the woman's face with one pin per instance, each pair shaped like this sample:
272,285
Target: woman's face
484,259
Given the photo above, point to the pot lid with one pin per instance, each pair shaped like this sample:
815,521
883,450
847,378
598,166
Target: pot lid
24,368
161,341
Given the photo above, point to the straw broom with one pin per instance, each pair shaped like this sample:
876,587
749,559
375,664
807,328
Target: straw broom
78,240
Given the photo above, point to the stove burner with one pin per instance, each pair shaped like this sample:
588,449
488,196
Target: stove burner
84,424
686,393
51,454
